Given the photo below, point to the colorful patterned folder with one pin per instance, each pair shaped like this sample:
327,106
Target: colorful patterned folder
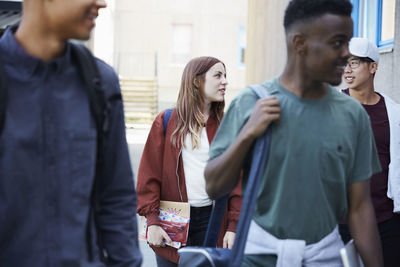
174,218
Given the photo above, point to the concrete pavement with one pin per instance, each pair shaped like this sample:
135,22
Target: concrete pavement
136,137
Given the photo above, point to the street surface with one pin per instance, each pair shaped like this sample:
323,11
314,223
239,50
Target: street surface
136,138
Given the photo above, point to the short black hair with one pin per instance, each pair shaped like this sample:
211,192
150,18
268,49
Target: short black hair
303,10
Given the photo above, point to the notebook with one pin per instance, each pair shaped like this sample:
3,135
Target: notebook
174,219
350,256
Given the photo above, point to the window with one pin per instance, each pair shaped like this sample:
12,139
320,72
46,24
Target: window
181,43
385,25
355,16
242,46
375,20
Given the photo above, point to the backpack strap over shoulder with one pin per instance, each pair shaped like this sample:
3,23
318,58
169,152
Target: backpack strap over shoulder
99,105
167,116
90,73
260,90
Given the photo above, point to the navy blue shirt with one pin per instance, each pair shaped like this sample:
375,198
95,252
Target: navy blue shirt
47,166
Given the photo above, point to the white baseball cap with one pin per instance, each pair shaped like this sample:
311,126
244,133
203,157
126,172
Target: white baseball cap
362,47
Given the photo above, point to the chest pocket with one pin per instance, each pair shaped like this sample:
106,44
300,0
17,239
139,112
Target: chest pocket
334,159
82,163
334,162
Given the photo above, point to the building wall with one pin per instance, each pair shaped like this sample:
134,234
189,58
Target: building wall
387,78
102,41
143,39
266,50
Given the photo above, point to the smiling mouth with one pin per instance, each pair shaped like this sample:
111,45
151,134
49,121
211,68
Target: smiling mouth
349,79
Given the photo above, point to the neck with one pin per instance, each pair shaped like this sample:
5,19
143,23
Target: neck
206,111
295,80
365,95
37,39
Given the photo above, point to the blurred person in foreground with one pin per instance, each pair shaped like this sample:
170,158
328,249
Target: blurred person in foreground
51,212
322,151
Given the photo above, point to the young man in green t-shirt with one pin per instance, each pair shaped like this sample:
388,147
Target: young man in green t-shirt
322,150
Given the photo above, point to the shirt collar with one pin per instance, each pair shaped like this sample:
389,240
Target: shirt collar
18,56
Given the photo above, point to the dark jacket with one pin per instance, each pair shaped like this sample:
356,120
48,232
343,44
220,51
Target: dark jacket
161,177
47,166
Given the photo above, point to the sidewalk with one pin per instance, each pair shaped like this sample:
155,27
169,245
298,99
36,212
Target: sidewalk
136,136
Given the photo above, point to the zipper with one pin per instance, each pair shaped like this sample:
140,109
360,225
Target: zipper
177,175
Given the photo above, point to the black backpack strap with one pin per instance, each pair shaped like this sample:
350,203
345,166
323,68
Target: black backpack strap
3,96
99,105
167,116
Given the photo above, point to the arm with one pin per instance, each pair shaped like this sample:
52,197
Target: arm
149,183
234,205
362,224
222,172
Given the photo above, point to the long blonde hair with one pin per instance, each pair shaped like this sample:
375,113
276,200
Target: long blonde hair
190,103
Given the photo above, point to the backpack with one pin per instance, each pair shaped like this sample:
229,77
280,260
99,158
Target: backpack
167,116
99,105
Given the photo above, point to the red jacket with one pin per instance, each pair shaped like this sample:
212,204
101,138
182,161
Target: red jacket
160,172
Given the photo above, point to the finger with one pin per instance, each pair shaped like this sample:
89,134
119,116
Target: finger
270,109
231,242
166,237
225,243
268,101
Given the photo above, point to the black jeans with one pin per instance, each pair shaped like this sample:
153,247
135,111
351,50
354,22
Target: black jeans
389,232
199,218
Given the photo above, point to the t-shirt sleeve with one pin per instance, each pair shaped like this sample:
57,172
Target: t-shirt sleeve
238,113
366,161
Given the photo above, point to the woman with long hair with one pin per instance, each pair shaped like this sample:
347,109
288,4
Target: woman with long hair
173,160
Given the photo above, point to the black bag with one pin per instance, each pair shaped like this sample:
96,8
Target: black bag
99,105
209,256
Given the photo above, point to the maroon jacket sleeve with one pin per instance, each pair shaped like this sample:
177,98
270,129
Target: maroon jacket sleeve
234,205
150,173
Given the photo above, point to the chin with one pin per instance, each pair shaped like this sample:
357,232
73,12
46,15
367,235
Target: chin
82,36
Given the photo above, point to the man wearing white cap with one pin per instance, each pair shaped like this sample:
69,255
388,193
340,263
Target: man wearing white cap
384,114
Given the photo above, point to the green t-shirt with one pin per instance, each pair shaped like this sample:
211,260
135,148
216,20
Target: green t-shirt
317,149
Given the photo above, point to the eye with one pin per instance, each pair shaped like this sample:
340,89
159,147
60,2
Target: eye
338,43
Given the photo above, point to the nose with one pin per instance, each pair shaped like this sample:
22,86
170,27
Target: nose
224,81
101,3
347,68
346,52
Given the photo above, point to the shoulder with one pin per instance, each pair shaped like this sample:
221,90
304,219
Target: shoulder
247,97
389,101
348,107
344,100
159,120
108,76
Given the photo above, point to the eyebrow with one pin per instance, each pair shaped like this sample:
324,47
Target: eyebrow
340,36
219,72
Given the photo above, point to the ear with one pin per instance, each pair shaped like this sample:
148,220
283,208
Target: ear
196,82
299,42
373,67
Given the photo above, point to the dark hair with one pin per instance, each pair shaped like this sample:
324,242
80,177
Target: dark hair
366,59
303,10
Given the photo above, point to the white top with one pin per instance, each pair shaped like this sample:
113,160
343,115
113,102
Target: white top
393,110
194,163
